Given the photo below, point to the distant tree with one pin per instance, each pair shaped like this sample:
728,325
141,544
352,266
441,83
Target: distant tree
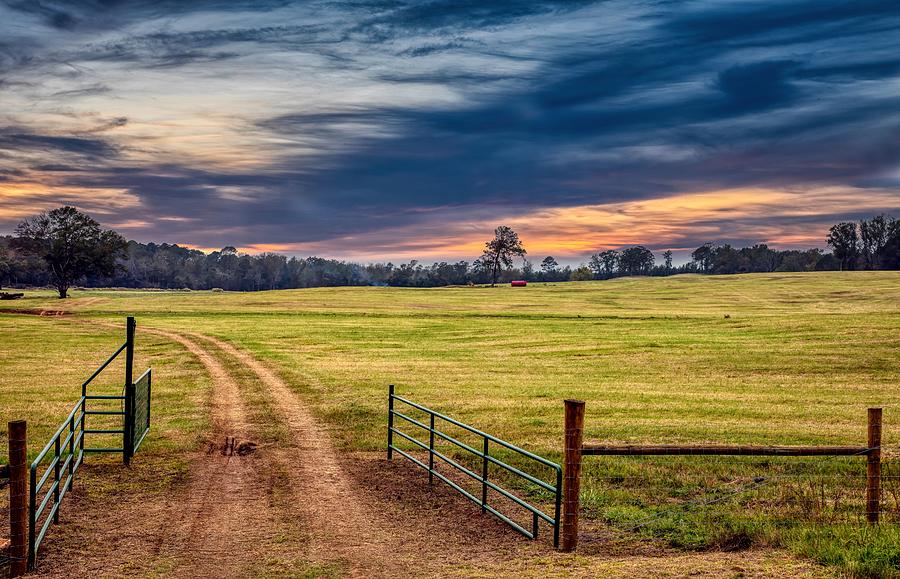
888,257
703,257
604,264
6,263
481,270
582,273
636,260
72,244
596,265
828,262
499,252
528,270
844,239
760,258
873,235
726,259
272,268
799,260
549,265
171,266
667,259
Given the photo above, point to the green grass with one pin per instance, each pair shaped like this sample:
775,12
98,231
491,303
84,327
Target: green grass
770,359
44,361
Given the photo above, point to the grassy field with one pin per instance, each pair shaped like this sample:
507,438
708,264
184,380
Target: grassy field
44,361
771,359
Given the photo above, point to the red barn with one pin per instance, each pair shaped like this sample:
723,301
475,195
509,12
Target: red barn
518,283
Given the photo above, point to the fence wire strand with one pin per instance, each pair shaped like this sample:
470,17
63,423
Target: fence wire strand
755,482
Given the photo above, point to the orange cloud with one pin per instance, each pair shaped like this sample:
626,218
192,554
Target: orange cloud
23,199
781,218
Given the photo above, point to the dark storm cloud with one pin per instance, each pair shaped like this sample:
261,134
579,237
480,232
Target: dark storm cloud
108,125
758,86
175,49
409,18
581,100
71,15
554,104
55,168
426,49
743,23
84,147
54,16
94,89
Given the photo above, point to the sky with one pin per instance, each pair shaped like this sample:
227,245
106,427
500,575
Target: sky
392,129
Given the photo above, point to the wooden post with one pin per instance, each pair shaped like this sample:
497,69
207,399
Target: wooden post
873,467
18,498
572,473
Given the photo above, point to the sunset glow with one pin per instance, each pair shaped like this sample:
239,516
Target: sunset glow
396,132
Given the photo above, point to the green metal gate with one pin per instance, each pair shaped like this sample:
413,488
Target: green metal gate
61,457
489,444
140,411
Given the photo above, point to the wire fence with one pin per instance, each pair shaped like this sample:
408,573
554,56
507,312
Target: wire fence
704,495
671,497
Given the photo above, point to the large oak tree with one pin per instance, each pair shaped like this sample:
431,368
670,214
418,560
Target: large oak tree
72,244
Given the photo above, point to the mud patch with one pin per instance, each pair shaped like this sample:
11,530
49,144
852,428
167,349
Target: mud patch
245,448
231,447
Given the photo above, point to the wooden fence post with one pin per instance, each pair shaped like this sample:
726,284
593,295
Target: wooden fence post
572,473
18,498
873,467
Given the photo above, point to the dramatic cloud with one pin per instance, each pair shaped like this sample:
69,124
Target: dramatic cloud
409,129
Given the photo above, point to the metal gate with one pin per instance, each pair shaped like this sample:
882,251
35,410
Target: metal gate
482,456
53,470
140,411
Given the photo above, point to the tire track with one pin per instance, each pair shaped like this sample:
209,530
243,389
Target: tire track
223,520
325,494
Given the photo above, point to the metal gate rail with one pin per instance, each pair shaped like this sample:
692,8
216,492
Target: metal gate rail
140,411
486,460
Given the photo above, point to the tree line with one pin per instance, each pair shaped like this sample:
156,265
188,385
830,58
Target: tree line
63,247
869,244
